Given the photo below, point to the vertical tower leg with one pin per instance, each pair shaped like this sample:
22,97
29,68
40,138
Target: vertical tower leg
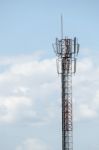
67,138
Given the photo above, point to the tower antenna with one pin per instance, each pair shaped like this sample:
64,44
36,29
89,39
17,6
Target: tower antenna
61,26
66,50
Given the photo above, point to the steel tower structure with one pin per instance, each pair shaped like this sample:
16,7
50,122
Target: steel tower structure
67,50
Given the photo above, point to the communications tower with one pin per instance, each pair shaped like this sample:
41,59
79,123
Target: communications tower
66,50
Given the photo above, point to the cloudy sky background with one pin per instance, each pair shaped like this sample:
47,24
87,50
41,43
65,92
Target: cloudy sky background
30,91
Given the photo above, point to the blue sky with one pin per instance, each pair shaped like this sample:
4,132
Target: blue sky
32,25
30,94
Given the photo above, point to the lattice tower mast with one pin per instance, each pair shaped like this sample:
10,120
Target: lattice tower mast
67,50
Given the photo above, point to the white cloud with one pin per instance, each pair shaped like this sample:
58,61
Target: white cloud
26,90
12,107
30,90
86,87
87,112
33,144
84,65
